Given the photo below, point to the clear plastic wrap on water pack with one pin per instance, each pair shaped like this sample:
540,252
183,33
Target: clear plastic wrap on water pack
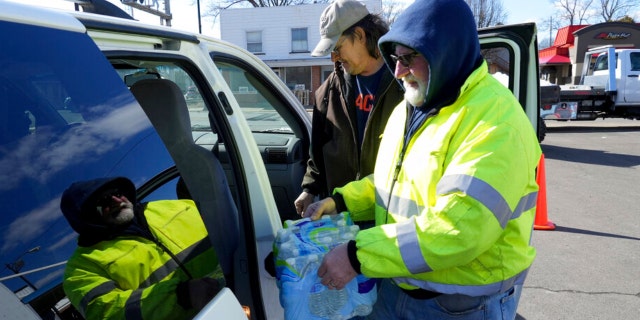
299,249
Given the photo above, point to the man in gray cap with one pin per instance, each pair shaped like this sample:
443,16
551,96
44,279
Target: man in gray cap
352,105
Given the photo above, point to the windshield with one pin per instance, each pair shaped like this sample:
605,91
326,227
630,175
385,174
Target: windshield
259,105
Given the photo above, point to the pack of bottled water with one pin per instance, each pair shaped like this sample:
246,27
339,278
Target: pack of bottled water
298,249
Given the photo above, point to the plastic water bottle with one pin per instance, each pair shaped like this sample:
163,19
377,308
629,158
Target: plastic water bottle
323,302
299,249
288,249
294,287
283,236
303,264
366,297
327,303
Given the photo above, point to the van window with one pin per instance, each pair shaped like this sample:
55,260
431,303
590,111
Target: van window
635,61
281,136
601,63
65,116
201,127
499,64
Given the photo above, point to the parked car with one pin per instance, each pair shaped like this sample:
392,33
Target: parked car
72,108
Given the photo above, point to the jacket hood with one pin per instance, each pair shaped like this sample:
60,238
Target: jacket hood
444,32
78,203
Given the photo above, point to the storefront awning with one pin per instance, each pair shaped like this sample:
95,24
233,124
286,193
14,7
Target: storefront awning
554,59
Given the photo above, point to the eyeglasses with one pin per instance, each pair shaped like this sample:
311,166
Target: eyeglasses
106,198
405,59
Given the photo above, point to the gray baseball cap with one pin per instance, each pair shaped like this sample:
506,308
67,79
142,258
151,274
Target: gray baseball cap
335,19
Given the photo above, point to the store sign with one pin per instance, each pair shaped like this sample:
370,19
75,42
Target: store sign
613,35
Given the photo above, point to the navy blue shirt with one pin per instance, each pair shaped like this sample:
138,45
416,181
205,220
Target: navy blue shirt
366,98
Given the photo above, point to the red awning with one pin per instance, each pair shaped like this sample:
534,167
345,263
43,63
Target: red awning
554,59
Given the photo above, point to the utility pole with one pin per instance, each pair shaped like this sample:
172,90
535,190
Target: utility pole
19,263
199,23
147,6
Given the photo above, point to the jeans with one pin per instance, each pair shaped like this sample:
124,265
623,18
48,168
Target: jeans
393,303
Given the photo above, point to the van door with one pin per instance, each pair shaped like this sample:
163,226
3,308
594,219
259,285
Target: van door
512,56
12,308
631,88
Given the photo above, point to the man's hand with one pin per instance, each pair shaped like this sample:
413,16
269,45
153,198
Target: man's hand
303,202
317,209
335,270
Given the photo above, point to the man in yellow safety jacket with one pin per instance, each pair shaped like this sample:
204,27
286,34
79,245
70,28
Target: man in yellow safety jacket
454,188
136,260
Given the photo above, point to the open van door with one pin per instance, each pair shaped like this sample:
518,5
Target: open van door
12,308
225,305
512,56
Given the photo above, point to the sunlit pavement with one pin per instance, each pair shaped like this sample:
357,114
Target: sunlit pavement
589,266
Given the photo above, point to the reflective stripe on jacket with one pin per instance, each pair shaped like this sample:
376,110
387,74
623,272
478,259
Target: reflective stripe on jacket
459,217
111,279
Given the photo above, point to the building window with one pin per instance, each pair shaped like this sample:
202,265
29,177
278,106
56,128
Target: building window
254,41
298,78
299,40
325,71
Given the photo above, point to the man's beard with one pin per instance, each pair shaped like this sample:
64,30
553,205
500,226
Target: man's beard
123,216
415,96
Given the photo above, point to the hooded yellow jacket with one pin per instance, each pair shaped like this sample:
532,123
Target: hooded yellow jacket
132,277
455,214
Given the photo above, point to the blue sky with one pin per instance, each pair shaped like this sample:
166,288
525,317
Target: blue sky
527,11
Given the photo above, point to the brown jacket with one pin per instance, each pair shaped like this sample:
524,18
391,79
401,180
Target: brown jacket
335,157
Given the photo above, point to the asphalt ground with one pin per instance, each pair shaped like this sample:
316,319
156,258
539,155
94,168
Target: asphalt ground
588,267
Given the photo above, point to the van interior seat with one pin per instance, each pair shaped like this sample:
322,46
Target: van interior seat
164,104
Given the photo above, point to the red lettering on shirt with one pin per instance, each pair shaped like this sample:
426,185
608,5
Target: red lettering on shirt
364,102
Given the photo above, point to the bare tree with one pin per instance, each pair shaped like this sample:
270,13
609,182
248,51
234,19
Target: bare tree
613,10
573,11
487,12
548,26
391,9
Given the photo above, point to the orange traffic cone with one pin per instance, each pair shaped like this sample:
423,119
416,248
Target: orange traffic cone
541,222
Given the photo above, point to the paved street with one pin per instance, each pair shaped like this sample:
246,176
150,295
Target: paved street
589,266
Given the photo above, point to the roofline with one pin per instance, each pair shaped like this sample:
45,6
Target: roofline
607,24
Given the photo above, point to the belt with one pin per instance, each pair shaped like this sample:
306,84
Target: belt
421,294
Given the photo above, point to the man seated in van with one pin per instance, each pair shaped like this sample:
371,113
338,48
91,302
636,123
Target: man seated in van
137,260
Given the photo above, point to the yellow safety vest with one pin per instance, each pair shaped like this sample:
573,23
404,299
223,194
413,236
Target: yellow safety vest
458,217
133,277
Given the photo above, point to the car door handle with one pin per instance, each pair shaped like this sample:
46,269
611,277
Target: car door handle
632,76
